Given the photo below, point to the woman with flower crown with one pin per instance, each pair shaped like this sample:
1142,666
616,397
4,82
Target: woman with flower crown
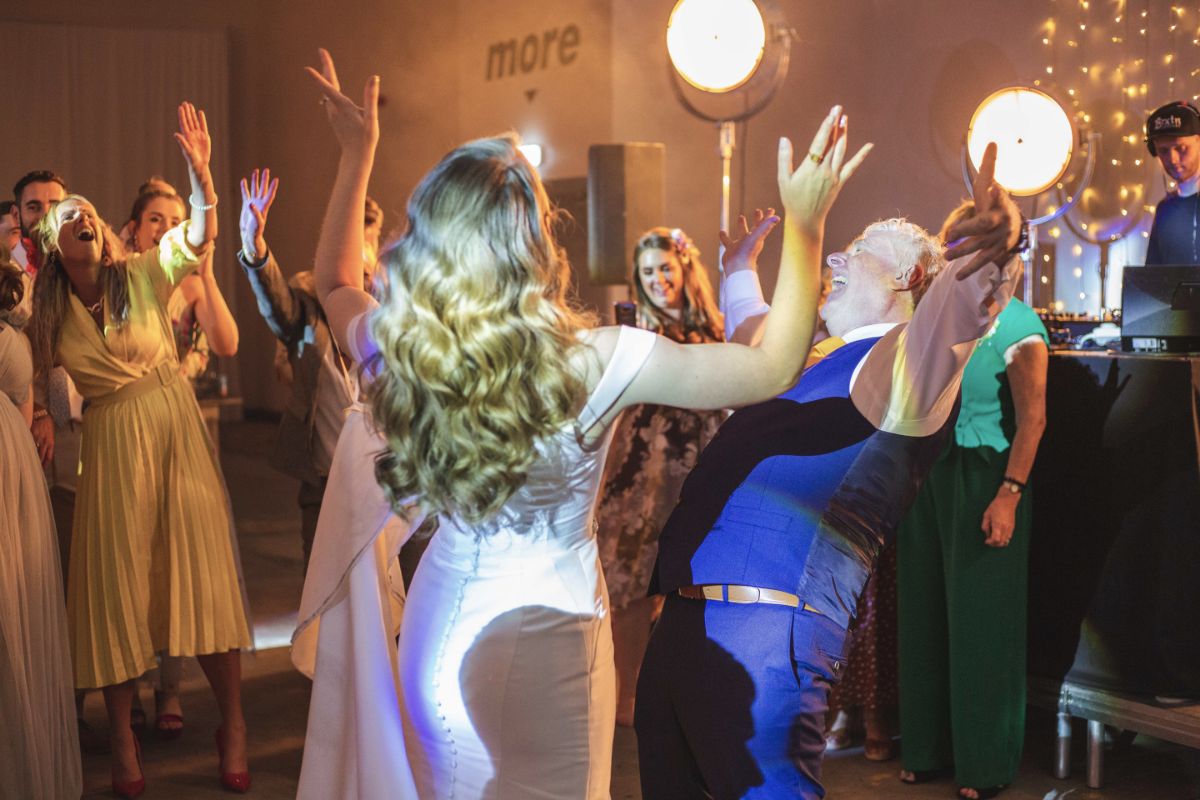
655,446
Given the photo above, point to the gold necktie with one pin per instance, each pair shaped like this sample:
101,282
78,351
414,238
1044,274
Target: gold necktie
822,349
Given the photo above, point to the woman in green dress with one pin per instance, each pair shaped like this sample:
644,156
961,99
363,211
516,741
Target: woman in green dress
151,516
963,568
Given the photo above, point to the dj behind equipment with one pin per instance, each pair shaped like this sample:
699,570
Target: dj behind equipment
1173,137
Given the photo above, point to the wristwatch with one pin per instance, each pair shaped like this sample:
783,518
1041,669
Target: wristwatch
1022,245
1014,485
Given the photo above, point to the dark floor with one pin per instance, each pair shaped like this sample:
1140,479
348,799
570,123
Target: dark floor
276,696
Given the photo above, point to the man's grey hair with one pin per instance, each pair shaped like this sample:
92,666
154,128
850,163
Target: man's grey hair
914,245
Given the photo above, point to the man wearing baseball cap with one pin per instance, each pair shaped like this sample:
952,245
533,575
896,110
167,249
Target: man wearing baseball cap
1173,137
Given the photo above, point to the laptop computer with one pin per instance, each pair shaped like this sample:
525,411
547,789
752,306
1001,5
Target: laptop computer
1160,309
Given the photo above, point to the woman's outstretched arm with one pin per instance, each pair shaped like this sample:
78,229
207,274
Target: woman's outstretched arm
196,145
338,271
720,375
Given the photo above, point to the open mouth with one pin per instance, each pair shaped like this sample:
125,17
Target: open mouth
837,283
86,235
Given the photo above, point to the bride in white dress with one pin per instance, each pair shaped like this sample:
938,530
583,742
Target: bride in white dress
493,402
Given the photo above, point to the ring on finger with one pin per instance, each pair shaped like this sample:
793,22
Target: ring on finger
815,158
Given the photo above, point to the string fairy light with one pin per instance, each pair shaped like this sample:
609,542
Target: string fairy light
1112,62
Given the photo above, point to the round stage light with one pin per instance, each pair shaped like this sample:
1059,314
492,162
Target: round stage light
1034,136
716,45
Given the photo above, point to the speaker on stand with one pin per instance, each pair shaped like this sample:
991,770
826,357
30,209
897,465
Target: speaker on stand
626,196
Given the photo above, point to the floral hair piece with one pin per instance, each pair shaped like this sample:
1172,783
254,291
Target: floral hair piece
683,243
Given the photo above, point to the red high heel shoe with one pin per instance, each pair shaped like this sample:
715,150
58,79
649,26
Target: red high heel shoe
131,789
232,781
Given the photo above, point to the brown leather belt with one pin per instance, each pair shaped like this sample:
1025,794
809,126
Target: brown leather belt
729,593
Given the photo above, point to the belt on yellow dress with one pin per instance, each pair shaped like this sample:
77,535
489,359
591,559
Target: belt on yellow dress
730,593
162,375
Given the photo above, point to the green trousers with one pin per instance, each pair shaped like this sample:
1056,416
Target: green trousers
962,625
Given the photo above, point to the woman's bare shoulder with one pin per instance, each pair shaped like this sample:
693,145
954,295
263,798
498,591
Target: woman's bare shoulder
592,359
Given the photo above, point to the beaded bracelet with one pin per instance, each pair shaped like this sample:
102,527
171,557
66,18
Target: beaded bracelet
202,205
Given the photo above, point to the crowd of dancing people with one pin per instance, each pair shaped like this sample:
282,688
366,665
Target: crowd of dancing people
668,525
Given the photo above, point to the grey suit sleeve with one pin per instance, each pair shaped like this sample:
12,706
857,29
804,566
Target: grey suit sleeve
279,303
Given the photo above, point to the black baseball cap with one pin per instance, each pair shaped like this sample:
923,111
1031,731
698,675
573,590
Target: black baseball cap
1173,119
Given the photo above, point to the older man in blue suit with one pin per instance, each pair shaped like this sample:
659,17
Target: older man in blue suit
778,526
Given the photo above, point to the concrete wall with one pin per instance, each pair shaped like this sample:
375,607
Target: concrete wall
909,73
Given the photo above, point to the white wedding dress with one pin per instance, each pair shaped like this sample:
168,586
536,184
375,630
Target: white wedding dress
503,684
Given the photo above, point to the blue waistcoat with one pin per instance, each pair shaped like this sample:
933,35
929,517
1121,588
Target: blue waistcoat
796,494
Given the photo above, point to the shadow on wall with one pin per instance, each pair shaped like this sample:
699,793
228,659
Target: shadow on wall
969,73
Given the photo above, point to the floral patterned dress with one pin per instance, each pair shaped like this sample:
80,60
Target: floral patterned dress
653,450
871,677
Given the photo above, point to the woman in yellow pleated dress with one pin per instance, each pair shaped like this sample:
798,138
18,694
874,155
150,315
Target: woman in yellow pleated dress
151,516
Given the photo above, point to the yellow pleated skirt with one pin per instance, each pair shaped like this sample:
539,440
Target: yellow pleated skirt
152,563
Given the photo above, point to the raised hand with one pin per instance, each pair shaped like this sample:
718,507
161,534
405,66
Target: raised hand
257,196
356,129
808,191
196,145
742,253
996,227
193,138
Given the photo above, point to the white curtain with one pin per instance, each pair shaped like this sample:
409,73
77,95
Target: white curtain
98,106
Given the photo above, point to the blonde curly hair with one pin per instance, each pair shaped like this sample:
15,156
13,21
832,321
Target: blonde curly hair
475,333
